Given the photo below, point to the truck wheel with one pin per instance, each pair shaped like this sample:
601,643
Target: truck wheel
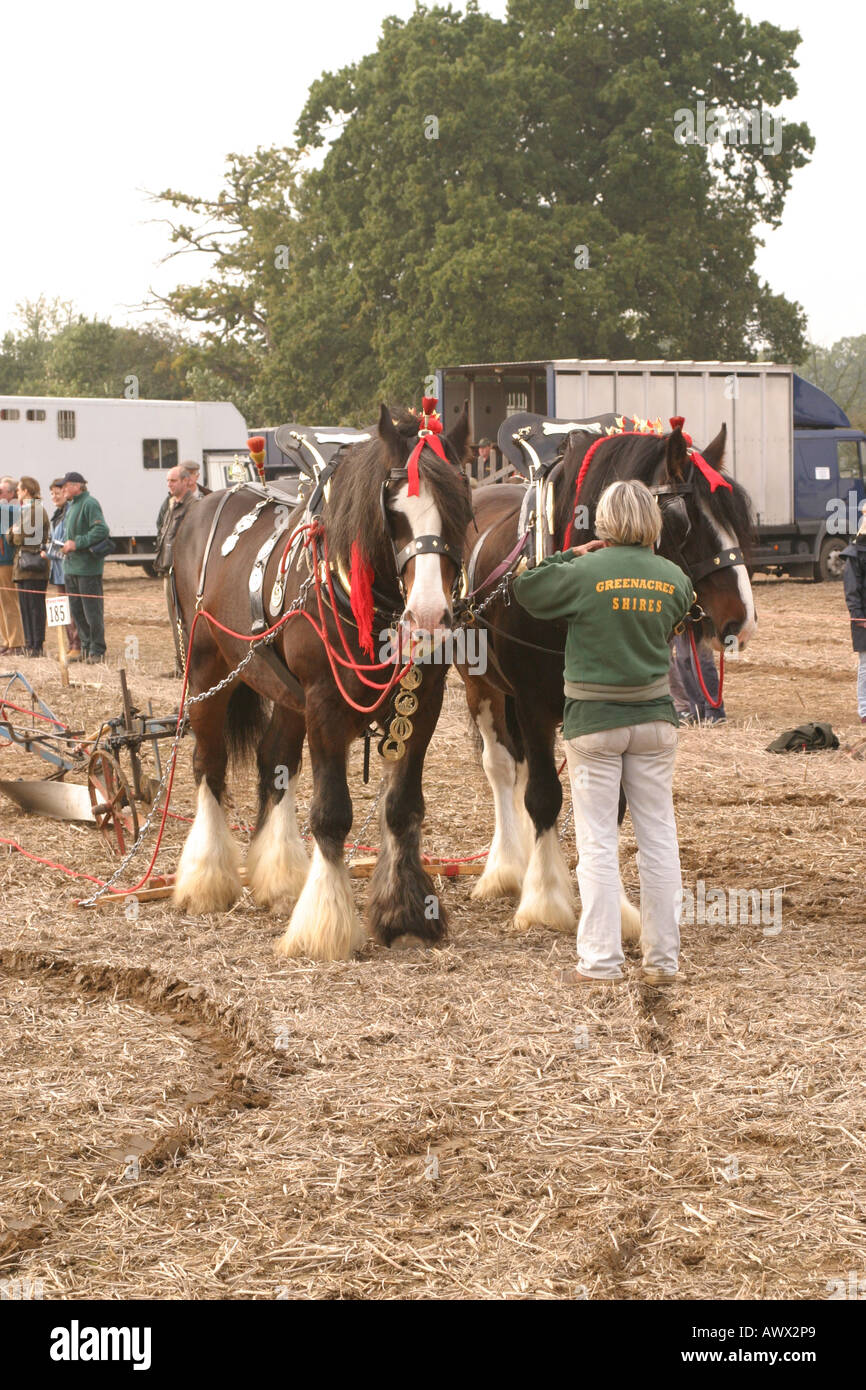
831,564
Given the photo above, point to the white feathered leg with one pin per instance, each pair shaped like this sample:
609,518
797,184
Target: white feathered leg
324,924
277,862
547,898
207,877
507,859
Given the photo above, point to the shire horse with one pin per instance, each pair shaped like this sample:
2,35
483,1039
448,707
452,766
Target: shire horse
393,518
518,703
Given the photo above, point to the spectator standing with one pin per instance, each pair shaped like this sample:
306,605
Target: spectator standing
690,703
855,598
11,631
29,535
58,536
84,554
483,462
182,494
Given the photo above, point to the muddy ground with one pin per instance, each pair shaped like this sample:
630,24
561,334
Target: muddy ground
185,1115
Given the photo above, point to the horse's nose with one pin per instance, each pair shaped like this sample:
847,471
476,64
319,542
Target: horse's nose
732,630
445,620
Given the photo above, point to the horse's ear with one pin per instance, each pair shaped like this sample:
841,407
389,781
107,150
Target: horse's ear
715,452
458,435
388,432
676,455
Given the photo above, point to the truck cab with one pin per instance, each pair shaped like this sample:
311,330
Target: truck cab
829,486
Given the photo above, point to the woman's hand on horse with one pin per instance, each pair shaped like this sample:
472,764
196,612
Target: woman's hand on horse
590,545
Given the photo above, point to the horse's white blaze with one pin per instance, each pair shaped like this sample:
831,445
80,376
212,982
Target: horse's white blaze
277,862
324,924
747,598
546,899
207,877
509,852
427,599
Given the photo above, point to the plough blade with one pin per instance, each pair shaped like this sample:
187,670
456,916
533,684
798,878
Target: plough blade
59,800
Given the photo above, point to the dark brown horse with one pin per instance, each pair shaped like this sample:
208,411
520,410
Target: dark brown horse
706,532
413,545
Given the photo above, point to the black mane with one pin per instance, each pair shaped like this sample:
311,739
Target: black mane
354,513
640,457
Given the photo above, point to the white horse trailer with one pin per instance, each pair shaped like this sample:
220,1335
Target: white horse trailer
124,448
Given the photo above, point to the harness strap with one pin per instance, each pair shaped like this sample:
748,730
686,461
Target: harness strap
426,545
210,540
281,671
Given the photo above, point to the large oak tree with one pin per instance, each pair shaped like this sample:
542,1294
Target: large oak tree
459,170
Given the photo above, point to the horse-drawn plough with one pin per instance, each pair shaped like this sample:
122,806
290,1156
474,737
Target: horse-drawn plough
109,757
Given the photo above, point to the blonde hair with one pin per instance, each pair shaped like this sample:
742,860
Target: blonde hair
628,514
31,485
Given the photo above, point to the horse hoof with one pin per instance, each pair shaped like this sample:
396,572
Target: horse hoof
503,882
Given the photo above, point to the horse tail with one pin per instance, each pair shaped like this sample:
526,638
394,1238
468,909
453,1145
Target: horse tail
246,722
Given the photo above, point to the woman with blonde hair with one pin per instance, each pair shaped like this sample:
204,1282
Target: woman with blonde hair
29,535
621,602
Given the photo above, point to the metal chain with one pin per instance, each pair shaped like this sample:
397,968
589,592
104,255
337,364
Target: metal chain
181,731
360,836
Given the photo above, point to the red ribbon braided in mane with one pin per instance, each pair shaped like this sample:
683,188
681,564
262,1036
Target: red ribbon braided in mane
713,477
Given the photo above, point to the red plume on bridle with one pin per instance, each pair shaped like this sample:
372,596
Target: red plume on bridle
361,597
256,446
713,477
430,427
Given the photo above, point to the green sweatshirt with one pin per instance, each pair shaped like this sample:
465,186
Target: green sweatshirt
85,525
621,604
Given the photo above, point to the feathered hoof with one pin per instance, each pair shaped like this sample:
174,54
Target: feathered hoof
631,928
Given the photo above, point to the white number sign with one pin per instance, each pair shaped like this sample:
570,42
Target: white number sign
57,611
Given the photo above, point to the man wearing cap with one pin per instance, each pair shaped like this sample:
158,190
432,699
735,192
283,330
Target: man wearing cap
483,462
82,565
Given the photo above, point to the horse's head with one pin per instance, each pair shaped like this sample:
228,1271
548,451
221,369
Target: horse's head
398,522
426,527
707,533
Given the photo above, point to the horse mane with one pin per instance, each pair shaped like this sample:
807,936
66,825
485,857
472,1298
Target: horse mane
639,457
353,512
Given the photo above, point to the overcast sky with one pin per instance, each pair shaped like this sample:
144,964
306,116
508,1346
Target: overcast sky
101,102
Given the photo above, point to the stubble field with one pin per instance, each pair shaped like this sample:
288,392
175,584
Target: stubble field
185,1115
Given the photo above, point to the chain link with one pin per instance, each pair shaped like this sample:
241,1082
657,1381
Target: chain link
181,731
369,816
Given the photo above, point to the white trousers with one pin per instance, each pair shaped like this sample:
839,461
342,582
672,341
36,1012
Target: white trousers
642,757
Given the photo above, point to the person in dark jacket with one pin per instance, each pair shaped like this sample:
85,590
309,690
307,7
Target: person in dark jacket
855,598
83,564
58,536
29,535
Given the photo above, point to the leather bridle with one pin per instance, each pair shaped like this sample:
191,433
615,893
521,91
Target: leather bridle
667,495
419,545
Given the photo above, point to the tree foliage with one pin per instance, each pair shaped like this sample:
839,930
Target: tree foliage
444,185
58,352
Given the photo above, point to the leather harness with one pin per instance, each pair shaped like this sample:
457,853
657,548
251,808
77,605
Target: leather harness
296,443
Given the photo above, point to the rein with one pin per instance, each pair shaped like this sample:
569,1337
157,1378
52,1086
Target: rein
714,704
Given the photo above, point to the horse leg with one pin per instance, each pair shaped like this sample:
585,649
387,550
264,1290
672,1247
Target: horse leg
207,878
505,769
546,899
277,862
325,924
403,900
